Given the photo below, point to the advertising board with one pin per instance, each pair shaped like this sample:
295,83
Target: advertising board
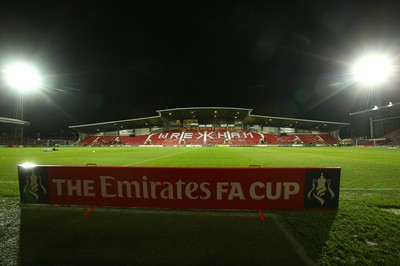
181,187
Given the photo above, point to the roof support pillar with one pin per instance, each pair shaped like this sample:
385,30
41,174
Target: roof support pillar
371,127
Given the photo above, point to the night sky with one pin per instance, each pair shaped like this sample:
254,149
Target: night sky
112,60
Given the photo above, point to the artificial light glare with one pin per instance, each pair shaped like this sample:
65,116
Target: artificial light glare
372,69
28,165
23,77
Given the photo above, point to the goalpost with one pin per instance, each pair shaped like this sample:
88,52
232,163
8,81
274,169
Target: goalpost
370,142
57,142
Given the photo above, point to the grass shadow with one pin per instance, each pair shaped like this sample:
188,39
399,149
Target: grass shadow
63,236
309,229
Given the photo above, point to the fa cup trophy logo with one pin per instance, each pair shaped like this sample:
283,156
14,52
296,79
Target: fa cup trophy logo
33,186
319,189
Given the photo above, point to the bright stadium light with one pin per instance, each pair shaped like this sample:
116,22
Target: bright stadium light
23,77
372,70
28,165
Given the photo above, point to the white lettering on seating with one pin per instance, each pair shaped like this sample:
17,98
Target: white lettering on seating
222,134
201,135
235,135
245,134
175,135
209,135
163,135
188,135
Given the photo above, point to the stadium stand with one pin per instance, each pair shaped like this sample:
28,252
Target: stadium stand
217,137
108,140
245,138
311,139
392,134
329,139
369,142
384,123
193,137
134,140
113,140
393,137
209,126
272,139
90,140
301,139
187,137
165,138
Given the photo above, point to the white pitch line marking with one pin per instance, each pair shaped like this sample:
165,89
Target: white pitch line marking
4,181
153,159
376,189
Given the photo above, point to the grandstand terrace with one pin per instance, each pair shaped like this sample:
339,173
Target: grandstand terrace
384,124
10,131
210,126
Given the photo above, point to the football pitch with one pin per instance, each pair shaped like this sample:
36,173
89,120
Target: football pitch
364,231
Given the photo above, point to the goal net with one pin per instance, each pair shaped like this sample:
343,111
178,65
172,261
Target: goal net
57,142
370,142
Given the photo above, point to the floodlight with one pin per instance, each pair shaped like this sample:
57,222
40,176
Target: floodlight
28,165
23,77
372,69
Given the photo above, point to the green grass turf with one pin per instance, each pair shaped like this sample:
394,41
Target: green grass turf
137,237
365,230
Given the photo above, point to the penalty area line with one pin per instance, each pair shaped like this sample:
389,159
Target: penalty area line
161,157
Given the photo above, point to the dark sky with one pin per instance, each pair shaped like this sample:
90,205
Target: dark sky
111,60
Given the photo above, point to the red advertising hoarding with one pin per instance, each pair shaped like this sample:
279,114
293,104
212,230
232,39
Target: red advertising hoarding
182,187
